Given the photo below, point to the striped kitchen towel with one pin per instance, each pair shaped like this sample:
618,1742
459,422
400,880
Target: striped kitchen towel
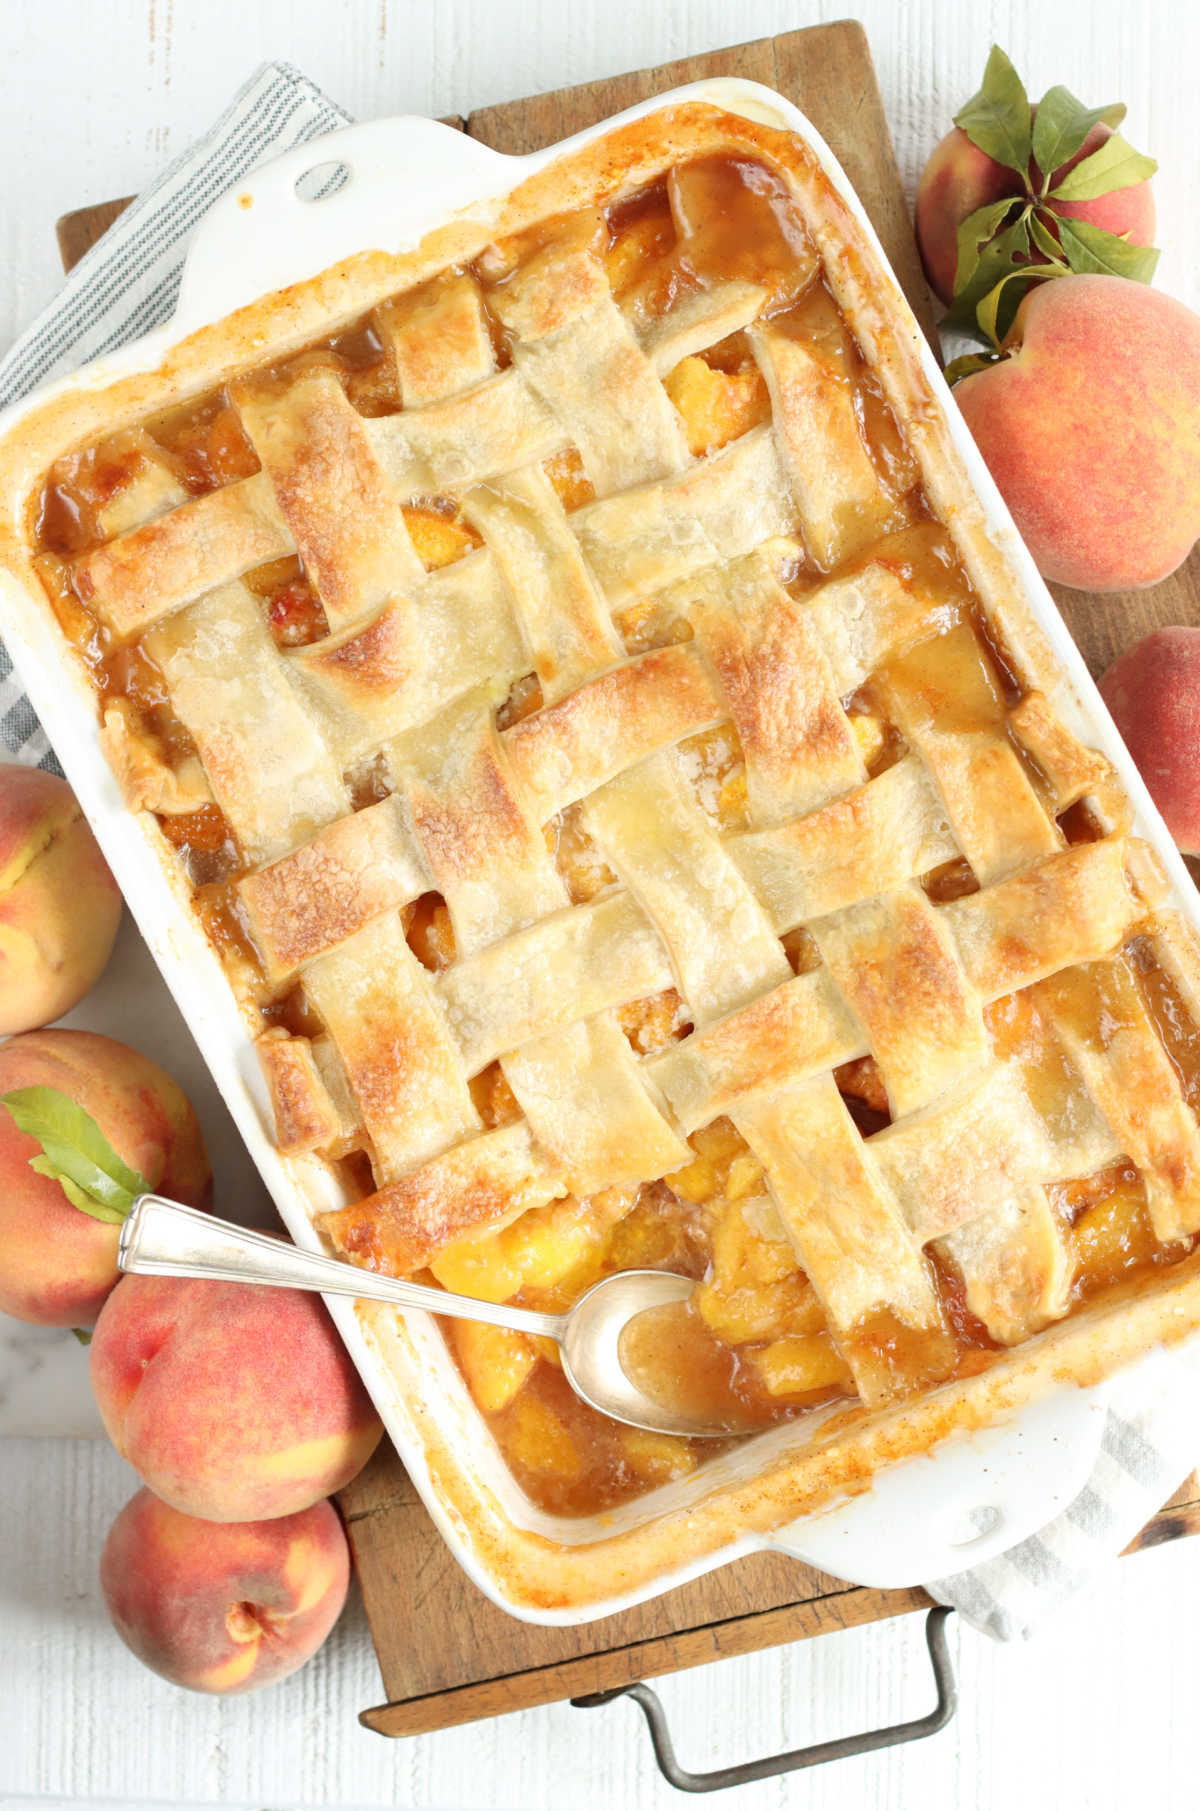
1151,1440
126,285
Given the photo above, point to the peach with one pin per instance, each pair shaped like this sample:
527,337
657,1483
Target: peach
223,1606
59,905
1091,428
57,1264
1153,692
959,178
233,1402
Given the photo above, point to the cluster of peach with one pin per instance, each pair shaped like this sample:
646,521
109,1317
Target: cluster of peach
1035,223
239,1407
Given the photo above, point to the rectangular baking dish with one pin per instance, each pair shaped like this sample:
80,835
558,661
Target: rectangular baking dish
414,184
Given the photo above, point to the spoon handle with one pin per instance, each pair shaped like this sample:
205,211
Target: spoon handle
163,1238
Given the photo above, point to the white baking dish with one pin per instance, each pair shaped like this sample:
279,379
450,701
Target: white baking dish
407,176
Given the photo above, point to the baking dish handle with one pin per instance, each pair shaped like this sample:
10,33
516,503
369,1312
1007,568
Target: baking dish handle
816,1753
972,1498
382,184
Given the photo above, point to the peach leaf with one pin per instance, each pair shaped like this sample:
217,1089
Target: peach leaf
967,364
1090,251
1009,251
1062,124
998,309
976,231
997,119
1113,165
75,1153
1043,229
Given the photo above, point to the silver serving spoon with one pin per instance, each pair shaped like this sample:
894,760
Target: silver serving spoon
164,1238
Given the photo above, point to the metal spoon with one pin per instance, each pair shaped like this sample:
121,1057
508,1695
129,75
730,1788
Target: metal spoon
164,1238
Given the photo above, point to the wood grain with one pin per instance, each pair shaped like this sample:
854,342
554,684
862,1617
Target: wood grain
447,1655
1104,626
79,230
451,1635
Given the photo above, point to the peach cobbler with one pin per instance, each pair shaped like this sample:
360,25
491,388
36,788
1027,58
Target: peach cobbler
634,833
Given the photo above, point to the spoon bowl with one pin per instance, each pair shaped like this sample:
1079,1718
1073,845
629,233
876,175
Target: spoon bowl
164,1238
601,1361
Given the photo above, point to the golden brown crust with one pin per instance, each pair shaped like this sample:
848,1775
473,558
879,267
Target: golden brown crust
896,965
147,782
798,744
485,1182
569,749
919,1179
315,898
1076,904
326,481
437,336
1072,771
305,1116
137,578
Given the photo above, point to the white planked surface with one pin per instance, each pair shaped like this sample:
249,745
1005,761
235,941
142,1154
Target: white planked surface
1099,1710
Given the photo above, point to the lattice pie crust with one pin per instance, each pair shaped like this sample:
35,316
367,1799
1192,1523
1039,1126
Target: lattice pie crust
885,714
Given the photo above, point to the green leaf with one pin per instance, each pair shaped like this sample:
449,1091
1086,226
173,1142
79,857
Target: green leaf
1008,251
974,233
1090,251
78,1176
1044,237
998,309
997,119
75,1153
110,1212
1113,165
1061,126
83,1335
967,364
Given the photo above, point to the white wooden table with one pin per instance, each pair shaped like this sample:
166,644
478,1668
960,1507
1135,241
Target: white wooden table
1098,1711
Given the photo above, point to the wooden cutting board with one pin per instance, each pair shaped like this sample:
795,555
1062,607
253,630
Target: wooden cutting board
447,1655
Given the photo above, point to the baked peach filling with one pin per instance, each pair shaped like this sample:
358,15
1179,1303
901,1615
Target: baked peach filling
931,697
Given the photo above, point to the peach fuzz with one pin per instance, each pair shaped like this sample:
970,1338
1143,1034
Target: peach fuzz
1091,429
59,905
57,1264
1153,692
959,178
232,1402
223,1607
